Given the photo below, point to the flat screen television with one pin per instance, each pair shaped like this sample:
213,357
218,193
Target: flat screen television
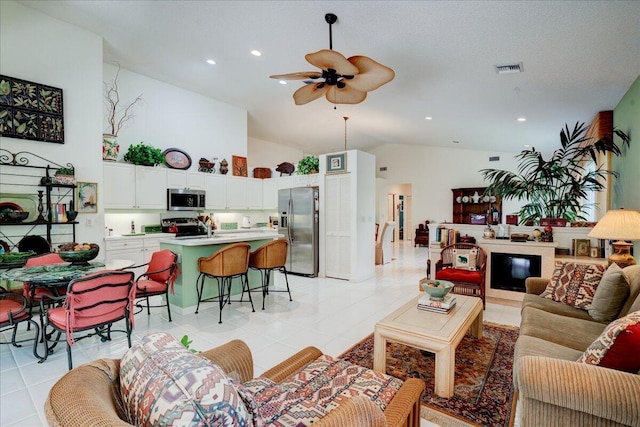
509,271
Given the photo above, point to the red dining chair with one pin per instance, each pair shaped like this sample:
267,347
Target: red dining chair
13,311
161,273
92,303
34,294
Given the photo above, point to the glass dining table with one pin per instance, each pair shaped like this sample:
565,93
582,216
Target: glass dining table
53,275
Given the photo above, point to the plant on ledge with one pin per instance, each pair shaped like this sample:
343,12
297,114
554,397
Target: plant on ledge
308,165
142,154
557,187
117,115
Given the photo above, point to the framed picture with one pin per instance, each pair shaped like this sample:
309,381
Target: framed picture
239,165
87,197
176,159
595,252
583,247
337,163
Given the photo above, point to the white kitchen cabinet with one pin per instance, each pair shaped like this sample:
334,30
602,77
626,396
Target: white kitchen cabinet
216,188
138,250
236,192
148,192
185,179
254,193
117,189
270,193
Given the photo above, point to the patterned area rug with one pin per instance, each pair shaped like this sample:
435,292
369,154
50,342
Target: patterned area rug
483,394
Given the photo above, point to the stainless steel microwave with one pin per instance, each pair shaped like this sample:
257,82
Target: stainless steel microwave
184,199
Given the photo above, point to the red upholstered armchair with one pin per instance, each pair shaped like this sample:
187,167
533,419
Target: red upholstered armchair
457,265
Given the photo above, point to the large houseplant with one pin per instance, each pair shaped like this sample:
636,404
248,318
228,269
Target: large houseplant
559,186
308,165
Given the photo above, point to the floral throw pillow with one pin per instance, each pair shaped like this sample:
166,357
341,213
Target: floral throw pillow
574,284
164,384
618,346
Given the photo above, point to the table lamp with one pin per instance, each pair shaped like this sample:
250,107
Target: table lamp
619,225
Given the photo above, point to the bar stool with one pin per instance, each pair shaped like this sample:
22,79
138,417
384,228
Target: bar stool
223,265
268,257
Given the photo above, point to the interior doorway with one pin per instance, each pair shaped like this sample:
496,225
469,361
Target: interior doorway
399,211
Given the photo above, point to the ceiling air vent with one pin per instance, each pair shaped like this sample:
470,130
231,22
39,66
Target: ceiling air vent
509,68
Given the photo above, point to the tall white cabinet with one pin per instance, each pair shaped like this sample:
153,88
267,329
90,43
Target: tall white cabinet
347,225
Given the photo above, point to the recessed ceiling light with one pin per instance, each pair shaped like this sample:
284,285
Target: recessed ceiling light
526,145
283,82
428,118
256,53
211,62
521,119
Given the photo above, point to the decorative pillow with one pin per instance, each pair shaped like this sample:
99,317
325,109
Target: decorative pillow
618,345
465,258
574,284
307,396
163,383
610,296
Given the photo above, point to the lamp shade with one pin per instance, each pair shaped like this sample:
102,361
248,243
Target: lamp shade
618,224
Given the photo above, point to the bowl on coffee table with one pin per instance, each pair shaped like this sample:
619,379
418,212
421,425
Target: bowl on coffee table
436,289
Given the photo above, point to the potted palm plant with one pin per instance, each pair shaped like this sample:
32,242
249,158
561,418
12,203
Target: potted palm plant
559,186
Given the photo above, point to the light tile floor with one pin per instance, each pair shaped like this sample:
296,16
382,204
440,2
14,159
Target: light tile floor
327,313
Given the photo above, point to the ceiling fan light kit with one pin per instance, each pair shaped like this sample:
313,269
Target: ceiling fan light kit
345,80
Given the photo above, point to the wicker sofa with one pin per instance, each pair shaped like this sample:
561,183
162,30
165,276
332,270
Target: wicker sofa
89,395
554,390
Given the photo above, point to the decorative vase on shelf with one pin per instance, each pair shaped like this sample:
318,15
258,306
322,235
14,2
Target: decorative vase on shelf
224,167
71,212
110,147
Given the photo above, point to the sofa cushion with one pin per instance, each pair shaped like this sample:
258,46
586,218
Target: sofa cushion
307,396
574,283
570,332
536,301
163,383
618,346
533,346
611,294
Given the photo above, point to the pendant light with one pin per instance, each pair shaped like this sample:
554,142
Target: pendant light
345,132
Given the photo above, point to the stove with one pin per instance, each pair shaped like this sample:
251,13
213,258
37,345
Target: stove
185,228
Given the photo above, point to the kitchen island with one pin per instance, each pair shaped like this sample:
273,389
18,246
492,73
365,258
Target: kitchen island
185,297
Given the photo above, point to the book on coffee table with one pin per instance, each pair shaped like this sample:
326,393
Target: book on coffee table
436,309
448,302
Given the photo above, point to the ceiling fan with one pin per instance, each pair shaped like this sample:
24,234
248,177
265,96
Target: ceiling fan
345,81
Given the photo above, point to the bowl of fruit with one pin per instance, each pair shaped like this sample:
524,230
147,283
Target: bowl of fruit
437,289
78,254
14,259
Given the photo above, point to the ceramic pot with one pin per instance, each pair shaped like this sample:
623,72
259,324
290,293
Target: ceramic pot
224,167
110,147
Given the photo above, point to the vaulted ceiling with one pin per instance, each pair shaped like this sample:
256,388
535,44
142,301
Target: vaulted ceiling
579,57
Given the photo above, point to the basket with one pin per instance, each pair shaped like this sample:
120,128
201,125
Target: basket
262,173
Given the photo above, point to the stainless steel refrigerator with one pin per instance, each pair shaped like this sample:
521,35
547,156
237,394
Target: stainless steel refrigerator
298,211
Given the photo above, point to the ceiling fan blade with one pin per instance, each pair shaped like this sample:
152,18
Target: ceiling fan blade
308,93
372,74
346,95
302,75
326,58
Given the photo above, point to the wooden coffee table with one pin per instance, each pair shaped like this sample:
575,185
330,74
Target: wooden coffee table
434,332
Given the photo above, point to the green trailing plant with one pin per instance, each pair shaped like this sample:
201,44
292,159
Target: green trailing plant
557,187
187,343
308,165
143,154
65,171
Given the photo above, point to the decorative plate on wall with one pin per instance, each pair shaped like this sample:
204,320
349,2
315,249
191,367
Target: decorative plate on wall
176,159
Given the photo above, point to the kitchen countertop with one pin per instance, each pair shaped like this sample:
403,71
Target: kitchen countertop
217,233
223,238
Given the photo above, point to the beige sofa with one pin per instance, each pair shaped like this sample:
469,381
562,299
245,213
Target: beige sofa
554,390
